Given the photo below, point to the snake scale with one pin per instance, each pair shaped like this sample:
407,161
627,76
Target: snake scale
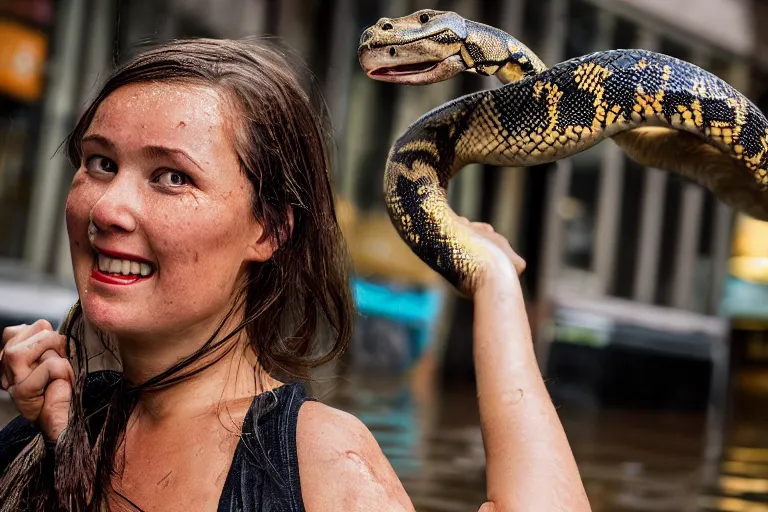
663,112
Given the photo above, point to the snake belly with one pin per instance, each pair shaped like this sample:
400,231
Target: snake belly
558,113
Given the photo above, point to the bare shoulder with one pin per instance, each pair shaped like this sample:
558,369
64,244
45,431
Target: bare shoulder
341,465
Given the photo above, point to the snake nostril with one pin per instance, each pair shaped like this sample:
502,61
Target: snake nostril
392,52
387,26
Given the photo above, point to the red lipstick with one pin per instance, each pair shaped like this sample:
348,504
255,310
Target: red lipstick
98,275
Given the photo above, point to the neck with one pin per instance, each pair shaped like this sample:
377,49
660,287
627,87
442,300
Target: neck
233,379
499,54
232,373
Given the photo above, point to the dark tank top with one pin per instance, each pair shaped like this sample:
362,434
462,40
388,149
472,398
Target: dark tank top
264,475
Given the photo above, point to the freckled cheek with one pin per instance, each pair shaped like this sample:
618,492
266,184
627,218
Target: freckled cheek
195,245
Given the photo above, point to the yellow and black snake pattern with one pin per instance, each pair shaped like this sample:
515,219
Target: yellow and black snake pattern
663,112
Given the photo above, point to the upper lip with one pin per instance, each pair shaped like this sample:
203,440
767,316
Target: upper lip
122,255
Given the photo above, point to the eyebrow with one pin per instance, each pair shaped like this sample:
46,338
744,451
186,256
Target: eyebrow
156,152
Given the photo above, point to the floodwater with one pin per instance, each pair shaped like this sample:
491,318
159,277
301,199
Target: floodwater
629,460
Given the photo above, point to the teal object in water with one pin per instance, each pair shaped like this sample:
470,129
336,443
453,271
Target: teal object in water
418,309
744,299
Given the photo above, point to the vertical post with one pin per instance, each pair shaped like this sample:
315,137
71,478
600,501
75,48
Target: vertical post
652,212
98,60
608,214
556,32
511,17
689,230
555,35
554,47
291,24
557,189
58,110
507,200
466,187
611,179
339,75
649,245
255,10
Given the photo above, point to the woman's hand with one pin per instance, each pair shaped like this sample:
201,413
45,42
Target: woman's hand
499,265
36,373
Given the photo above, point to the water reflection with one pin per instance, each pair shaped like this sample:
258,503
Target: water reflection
629,460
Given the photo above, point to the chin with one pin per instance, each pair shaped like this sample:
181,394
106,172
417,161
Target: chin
107,316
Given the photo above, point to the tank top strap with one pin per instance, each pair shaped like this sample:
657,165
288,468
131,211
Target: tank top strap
264,476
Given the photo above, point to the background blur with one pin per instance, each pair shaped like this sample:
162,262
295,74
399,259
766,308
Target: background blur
648,298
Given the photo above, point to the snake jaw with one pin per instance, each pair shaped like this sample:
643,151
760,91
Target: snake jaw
419,73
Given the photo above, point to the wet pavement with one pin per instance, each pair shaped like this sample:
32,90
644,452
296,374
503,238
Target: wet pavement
629,460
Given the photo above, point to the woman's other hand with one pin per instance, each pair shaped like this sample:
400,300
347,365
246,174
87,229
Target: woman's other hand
38,376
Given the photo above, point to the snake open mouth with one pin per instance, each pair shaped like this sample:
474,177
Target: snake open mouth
406,69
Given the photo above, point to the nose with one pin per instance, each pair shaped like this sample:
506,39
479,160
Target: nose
116,208
366,36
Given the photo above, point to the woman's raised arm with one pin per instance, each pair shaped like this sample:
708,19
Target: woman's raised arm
530,465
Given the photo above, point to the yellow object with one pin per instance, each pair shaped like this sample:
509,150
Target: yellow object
376,249
378,252
750,237
749,260
23,52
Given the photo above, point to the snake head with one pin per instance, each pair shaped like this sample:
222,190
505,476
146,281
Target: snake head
417,49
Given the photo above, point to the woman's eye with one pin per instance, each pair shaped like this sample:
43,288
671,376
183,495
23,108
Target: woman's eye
98,163
173,179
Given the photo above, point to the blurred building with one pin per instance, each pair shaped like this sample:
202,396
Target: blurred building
600,234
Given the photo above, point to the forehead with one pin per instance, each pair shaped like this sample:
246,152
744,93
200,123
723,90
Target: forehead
163,110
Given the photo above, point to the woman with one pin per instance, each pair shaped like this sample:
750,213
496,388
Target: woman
205,246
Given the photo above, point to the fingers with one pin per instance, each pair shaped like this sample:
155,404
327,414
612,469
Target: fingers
52,369
518,262
499,240
11,331
24,331
483,226
21,356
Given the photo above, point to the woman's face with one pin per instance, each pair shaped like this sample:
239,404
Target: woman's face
159,212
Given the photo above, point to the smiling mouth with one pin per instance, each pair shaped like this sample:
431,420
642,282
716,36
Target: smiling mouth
406,69
120,271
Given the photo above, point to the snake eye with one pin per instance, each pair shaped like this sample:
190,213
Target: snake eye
424,18
386,26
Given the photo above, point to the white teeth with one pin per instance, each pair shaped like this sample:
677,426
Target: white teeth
124,267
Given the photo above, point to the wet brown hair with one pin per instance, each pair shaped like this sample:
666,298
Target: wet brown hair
292,303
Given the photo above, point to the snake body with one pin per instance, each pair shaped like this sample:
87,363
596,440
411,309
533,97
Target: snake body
662,111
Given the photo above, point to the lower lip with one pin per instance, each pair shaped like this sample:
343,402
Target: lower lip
98,275
396,72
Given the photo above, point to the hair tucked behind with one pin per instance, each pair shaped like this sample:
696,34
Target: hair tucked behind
301,292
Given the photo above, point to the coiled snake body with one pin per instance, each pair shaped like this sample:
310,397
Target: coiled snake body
663,112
